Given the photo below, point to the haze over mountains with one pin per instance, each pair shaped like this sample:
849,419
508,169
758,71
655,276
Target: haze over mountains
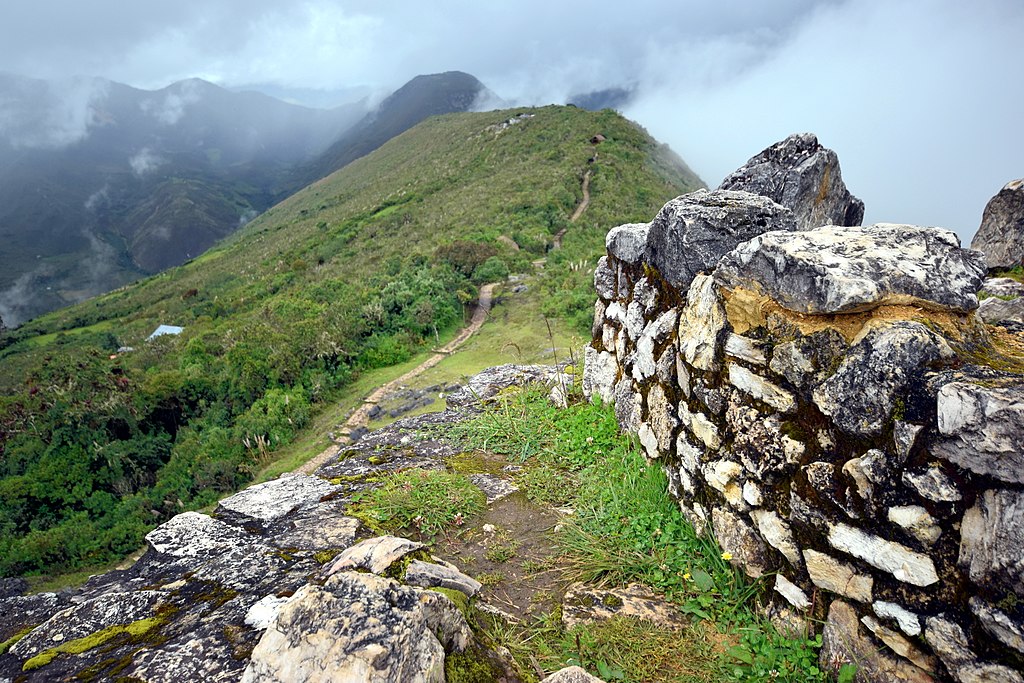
101,183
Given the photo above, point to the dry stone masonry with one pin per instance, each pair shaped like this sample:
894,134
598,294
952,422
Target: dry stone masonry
811,394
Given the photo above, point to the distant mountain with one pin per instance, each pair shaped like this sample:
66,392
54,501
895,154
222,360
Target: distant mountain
419,99
359,270
608,98
101,183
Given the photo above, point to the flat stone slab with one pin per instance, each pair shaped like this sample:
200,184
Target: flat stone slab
583,604
374,555
269,501
836,269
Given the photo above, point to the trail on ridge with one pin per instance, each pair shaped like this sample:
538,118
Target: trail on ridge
362,414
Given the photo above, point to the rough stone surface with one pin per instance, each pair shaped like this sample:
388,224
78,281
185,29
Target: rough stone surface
645,365
264,503
430,575
994,311
808,360
846,269
374,554
844,642
627,406
745,349
777,533
741,541
359,627
1001,234
902,562
701,322
830,574
488,383
862,393
600,372
803,176
900,645
693,232
22,611
917,522
604,279
932,484
950,643
908,622
991,538
1003,286
571,674
998,624
985,426
584,604
627,242
791,592
758,387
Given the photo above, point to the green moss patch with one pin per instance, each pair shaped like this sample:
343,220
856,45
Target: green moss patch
77,646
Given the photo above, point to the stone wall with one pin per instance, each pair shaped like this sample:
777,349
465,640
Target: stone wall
823,401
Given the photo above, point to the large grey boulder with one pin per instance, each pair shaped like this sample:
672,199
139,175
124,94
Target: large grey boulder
627,242
804,177
693,232
1001,235
262,504
983,429
359,628
861,395
837,269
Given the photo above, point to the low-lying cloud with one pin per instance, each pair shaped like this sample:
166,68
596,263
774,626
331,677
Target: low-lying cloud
47,115
145,161
920,98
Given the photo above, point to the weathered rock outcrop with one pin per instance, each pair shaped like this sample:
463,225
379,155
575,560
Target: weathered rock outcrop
1001,234
272,585
804,177
814,405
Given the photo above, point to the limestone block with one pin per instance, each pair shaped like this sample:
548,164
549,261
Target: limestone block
950,643
908,622
862,393
693,232
999,624
700,426
808,360
917,522
740,540
604,279
991,538
900,645
985,426
745,349
644,365
700,323
844,642
830,574
900,561
791,592
932,484
627,242
758,387
835,269
627,405
600,372
777,533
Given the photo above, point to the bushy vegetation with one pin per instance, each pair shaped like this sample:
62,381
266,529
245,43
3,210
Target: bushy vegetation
626,528
358,271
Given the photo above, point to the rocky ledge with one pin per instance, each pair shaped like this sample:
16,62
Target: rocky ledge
277,584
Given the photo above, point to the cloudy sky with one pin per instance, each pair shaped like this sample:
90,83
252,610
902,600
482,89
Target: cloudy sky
920,98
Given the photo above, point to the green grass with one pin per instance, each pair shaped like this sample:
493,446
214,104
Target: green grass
627,528
424,501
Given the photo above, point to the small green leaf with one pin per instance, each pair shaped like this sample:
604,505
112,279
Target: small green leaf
703,580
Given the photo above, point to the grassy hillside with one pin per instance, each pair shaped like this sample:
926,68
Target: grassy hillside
358,271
